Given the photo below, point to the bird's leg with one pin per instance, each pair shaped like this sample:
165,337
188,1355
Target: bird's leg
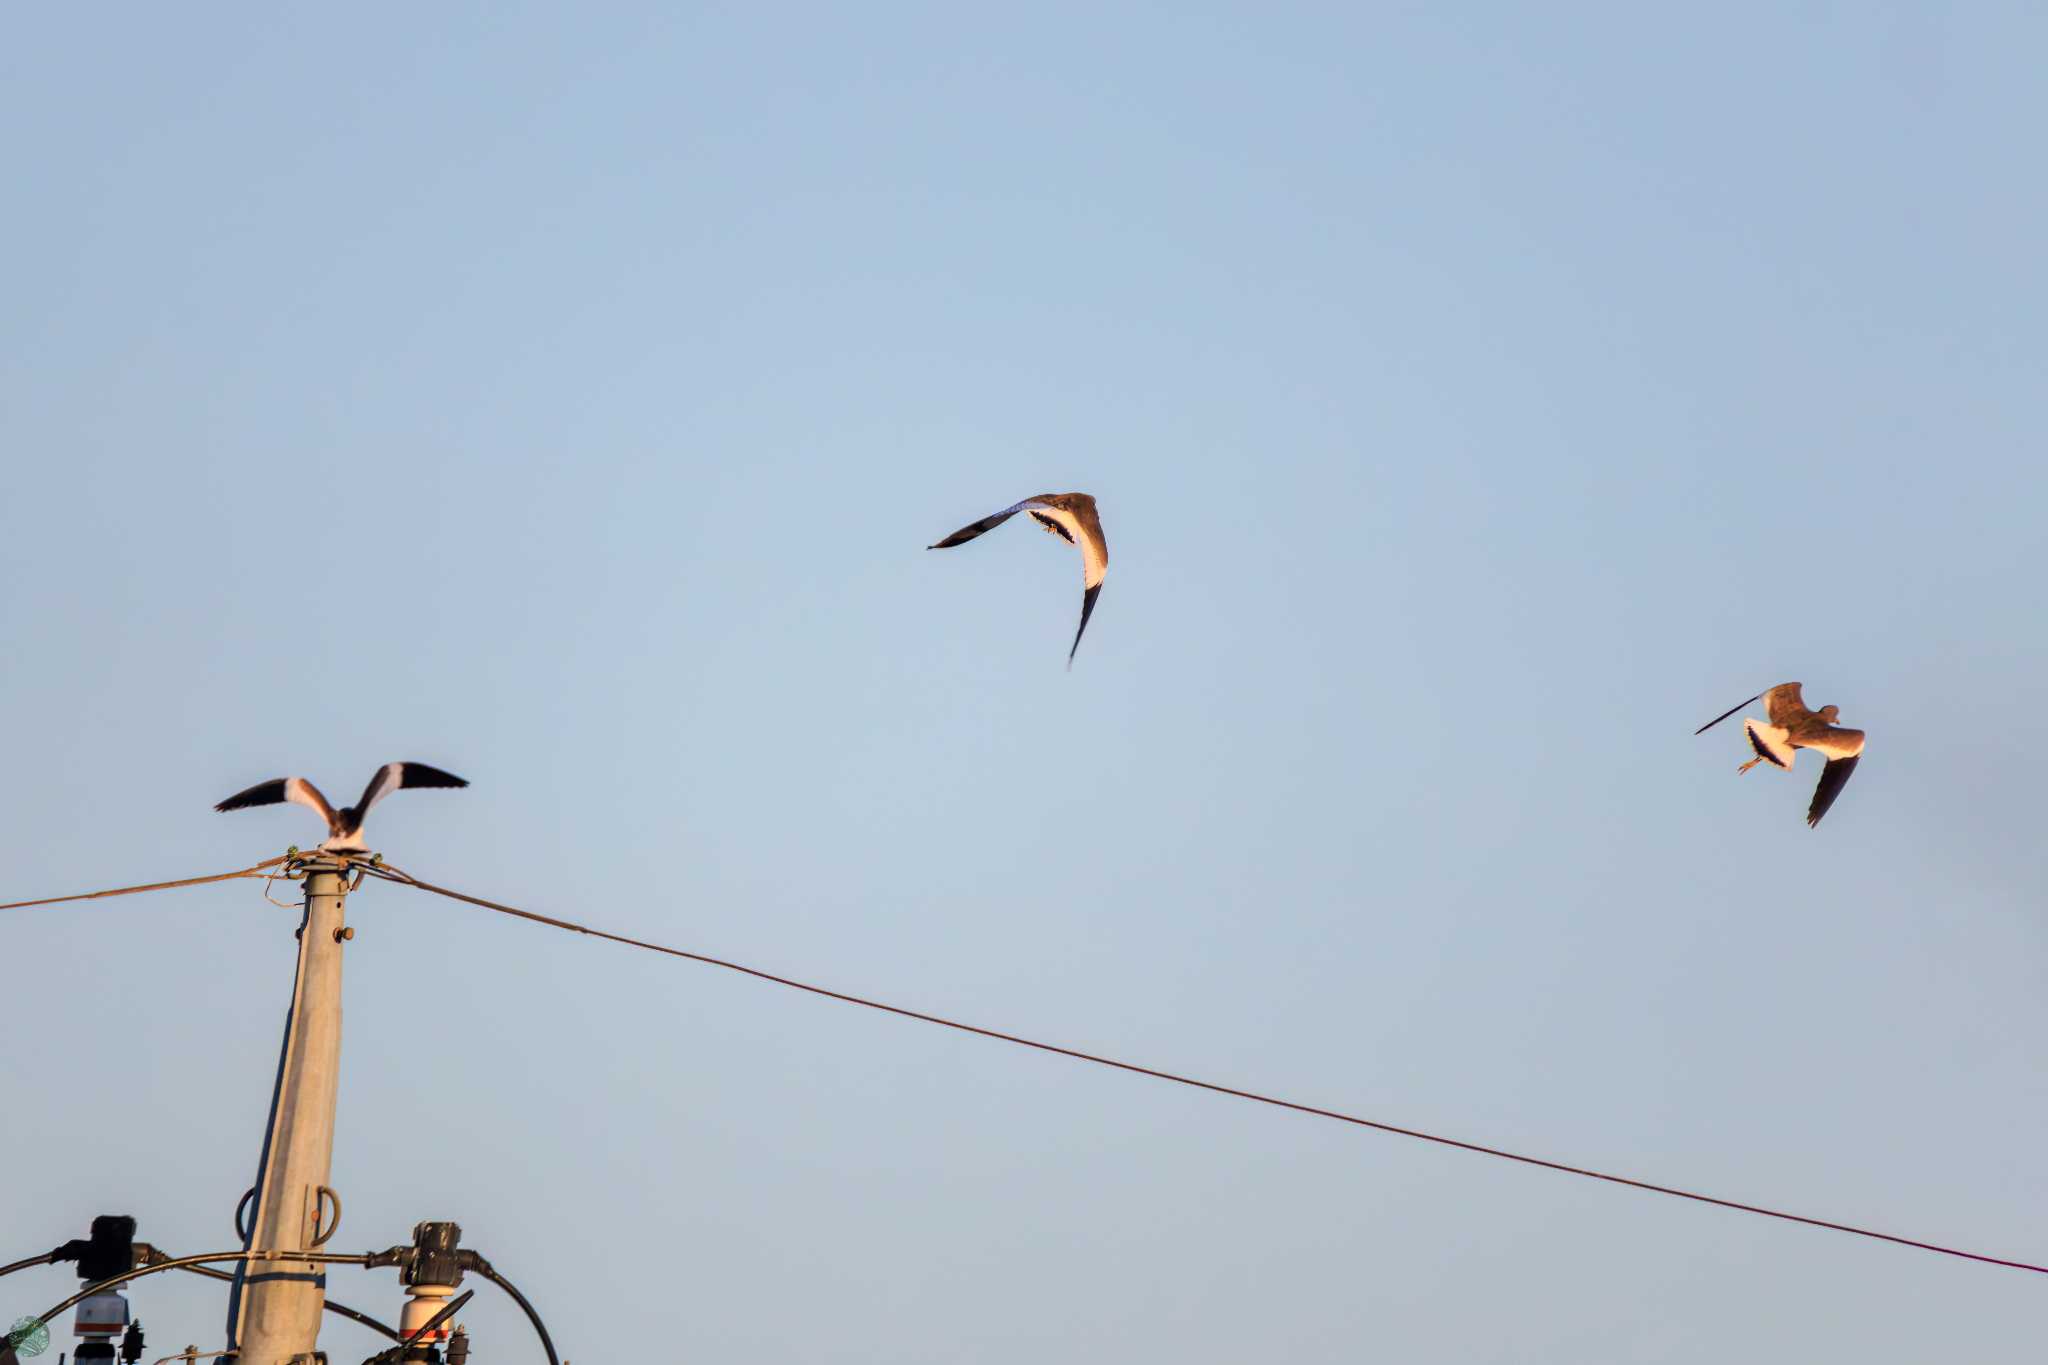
1747,766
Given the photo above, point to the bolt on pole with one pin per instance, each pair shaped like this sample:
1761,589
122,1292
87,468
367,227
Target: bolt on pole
274,1310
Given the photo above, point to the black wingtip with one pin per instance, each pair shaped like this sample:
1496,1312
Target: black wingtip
1833,778
1087,610
1725,714
973,529
262,794
425,775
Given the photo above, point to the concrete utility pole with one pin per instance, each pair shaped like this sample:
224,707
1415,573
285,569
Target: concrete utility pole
274,1311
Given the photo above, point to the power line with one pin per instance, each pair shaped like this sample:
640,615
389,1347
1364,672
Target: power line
182,1262
387,872
390,873
152,886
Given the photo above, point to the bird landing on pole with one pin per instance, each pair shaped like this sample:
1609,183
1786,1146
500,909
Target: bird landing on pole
344,826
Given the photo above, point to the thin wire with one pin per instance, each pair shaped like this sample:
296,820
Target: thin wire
270,879
388,872
180,1262
47,1258
547,1344
393,874
330,1305
152,886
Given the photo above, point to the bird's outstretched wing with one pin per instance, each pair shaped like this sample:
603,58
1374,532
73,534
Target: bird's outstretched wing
1072,517
1769,743
1725,714
262,794
982,527
1843,748
1088,596
1785,705
1833,778
294,789
392,776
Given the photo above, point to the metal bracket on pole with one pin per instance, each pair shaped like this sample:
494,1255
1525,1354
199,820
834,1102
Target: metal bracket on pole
274,1311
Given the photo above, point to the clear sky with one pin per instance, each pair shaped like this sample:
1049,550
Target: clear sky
1477,402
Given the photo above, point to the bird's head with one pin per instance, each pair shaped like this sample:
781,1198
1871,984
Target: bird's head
1828,713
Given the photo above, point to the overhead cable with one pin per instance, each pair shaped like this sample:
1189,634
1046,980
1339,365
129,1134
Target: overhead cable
393,874
257,870
387,872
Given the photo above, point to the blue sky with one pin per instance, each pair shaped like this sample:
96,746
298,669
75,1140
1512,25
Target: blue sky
1477,402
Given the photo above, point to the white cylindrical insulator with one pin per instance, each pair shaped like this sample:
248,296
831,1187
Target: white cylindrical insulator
425,1301
104,1314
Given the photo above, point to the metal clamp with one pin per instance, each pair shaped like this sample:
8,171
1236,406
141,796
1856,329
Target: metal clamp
321,1194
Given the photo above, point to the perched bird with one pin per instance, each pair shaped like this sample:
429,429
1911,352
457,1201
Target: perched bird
344,826
1792,728
1071,517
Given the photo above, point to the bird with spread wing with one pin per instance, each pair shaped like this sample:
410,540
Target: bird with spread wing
344,826
1791,728
1071,517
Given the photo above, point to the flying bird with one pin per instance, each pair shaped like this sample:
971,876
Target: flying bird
1071,517
1792,727
344,826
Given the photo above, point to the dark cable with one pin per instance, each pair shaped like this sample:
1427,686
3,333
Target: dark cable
152,886
329,1304
484,1268
390,873
50,1257
364,1318
179,1263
